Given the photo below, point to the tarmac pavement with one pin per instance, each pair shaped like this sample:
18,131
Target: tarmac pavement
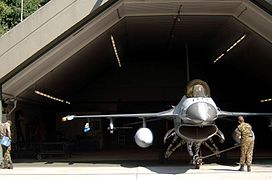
138,170
135,164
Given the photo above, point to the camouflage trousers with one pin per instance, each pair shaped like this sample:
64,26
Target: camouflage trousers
7,163
247,146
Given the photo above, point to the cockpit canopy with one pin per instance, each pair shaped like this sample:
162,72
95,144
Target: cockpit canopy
197,88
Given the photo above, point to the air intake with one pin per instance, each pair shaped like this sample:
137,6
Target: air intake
197,133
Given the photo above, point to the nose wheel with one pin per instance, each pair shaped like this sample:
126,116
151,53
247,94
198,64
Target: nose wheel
197,161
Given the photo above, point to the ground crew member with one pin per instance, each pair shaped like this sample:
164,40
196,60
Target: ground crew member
245,134
5,130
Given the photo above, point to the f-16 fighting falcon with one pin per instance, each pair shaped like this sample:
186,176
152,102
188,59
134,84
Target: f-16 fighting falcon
194,122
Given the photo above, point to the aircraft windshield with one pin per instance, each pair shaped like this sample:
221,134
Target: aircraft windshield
199,91
197,88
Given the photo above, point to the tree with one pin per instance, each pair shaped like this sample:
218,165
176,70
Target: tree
10,12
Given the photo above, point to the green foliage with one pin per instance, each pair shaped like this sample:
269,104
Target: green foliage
7,14
10,12
31,6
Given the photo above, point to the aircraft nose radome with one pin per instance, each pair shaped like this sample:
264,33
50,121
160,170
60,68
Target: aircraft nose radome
201,111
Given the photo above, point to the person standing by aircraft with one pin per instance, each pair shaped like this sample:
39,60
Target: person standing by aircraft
5,132
245,134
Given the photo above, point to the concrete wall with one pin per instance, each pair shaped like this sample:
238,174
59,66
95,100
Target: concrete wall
39,29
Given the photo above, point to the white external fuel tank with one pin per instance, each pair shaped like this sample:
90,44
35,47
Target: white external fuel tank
144,137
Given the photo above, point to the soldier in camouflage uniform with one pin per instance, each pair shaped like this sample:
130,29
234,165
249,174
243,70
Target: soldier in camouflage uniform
245,134
5,131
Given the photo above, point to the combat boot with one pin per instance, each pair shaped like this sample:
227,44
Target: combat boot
5,165
248,168
241,168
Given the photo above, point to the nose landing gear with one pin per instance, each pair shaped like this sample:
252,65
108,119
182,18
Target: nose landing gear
197,161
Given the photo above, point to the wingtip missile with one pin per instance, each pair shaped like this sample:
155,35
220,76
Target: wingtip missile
68,118
64,119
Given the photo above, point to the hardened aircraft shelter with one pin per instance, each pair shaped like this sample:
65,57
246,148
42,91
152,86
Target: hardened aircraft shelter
133,56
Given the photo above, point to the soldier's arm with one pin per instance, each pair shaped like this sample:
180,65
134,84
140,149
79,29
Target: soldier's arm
9,131
238,133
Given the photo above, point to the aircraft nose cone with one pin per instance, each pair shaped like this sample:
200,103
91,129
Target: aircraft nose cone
201,111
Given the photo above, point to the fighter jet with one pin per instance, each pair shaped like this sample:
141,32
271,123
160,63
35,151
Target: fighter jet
194,122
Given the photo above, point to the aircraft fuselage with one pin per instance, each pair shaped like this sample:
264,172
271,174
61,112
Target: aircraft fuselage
196,117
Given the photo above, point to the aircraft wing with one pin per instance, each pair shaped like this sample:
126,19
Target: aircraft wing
226,113
163,114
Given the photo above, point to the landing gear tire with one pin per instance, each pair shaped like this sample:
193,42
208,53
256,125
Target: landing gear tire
162,157
198,163
39,157
197,166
